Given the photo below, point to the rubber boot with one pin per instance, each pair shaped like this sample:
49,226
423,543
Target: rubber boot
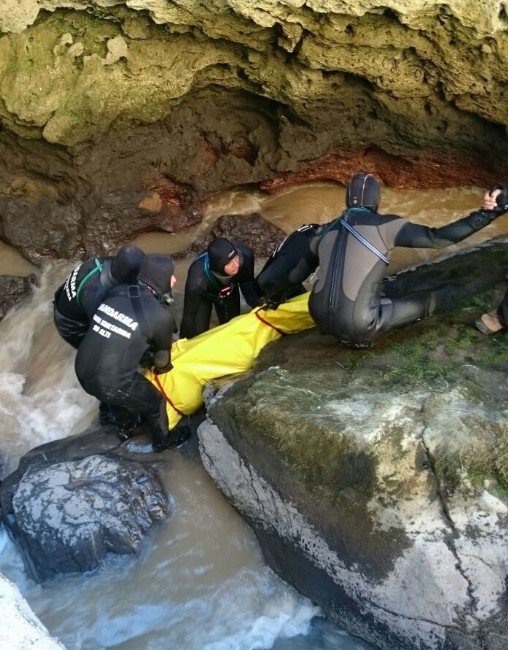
106,417
125,422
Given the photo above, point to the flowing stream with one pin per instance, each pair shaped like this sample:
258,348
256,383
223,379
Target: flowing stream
200,580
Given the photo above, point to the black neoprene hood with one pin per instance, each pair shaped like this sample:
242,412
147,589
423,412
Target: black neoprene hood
126,263
363,191
220,252
156,270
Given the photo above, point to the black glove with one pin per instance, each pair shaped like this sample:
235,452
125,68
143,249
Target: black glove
146,360
270,303
157,370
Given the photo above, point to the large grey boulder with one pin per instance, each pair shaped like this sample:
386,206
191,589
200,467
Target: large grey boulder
377,481
72,502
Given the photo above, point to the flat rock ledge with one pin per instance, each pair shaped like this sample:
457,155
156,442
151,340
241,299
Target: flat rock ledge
377,481
74,501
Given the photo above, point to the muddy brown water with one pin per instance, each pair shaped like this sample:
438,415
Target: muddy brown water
200,580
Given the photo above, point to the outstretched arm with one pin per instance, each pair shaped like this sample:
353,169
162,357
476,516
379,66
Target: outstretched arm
414,235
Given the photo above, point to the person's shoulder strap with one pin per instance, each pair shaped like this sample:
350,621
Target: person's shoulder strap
96,269
364,241
137,305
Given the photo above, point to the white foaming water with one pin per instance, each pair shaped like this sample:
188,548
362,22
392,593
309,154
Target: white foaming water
199,582
40,398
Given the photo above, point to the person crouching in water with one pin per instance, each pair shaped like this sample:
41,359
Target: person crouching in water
353,255
131,322
79,296
496,320
215,278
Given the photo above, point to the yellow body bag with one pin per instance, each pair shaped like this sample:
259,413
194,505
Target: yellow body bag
224,350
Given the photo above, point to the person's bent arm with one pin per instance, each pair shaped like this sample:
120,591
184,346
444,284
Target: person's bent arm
195,286
246,279
161,343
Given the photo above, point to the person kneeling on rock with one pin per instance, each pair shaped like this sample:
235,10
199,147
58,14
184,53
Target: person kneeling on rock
133,322
496,320
353,252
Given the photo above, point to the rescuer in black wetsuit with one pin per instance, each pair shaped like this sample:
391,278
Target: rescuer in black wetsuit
132,322
496,320
215,278
289,265
353,254
79,296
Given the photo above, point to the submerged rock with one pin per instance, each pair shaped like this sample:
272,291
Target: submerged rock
377,481
73,501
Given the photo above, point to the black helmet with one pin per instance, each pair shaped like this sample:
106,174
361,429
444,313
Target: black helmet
156,271
220,252
126,263
363,191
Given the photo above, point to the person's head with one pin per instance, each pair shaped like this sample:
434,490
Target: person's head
157,270
363,191
126,263
223,257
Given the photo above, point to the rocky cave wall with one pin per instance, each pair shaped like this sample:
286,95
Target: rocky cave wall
124,117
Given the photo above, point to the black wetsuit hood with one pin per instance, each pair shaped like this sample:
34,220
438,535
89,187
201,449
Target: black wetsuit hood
220,252
363,191
126,264
156,271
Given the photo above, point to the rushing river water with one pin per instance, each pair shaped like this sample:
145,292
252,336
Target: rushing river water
200,581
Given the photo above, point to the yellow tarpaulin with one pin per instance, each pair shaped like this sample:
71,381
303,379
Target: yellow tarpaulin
225,350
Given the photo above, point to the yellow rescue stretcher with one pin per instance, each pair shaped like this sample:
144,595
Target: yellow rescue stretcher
224,350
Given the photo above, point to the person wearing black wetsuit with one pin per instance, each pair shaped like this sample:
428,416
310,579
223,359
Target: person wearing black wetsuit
79,296
353,254
289,265
132,322
215,278
496,320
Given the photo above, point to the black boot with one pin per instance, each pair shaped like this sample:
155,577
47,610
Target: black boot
106,417
125,422
172,439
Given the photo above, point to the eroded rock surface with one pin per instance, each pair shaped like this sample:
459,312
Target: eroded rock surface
122,119
71,502
377,480
251,230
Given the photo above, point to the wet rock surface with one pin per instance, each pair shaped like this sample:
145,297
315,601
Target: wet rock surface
117,120
73,501
252,230
13,288
377,481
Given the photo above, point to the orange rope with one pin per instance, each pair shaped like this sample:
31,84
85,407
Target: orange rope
168,400
269,324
